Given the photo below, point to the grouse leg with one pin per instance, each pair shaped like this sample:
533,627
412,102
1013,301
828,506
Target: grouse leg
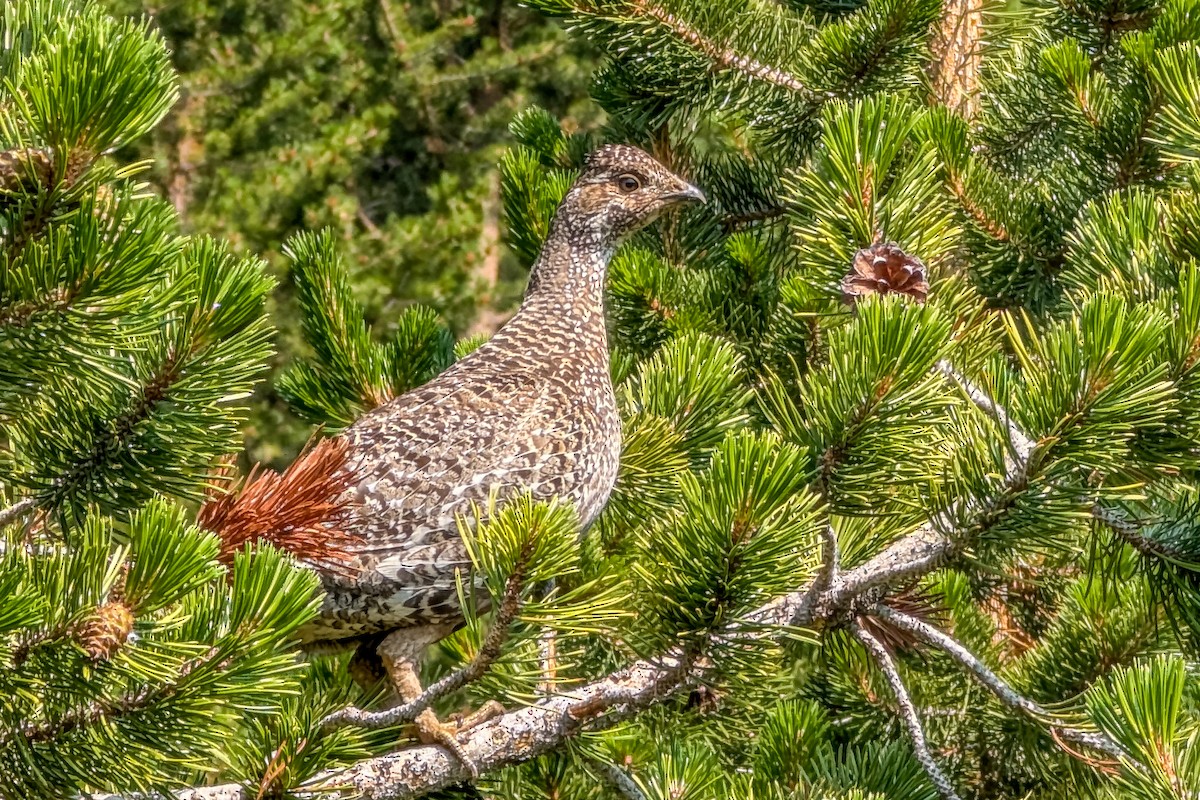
401,652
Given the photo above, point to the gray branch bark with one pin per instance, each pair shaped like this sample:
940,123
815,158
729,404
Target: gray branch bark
18,508
908,713
1005,693
620,780
512,738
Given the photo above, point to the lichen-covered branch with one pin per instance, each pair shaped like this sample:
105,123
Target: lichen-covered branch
908,712
1005,693
931,545
1021,446
1132,532
509,739
620,780
720,54
18,508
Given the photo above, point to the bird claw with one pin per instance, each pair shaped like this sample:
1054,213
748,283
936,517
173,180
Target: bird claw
431,730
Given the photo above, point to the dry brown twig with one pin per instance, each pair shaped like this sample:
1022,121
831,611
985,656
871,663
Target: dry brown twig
957,43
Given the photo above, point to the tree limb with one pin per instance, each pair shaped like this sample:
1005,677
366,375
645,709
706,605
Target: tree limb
931,545
722,55
18,508
509,739
1005,693
619,779
1131,532
1021,446
908,713
957,49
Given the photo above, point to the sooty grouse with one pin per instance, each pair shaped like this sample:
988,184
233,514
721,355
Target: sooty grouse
530,410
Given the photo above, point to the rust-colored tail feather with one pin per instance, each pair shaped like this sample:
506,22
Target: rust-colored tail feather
304,510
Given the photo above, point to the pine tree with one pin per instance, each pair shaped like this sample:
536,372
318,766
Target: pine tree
133,644
908,493
907,496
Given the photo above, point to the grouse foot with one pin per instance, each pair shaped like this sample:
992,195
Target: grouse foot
400,652
431,730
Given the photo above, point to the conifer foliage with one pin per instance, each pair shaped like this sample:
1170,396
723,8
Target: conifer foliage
908,493
129,654
381,121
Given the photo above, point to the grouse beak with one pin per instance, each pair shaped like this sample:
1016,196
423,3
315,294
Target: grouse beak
688,193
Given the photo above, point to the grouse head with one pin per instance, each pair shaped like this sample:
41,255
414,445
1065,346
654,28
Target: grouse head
620,190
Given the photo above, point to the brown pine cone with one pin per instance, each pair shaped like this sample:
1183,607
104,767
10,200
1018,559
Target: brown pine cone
102,634
885,269
25,169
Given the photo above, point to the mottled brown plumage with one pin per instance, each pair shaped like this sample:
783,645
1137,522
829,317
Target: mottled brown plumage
531,410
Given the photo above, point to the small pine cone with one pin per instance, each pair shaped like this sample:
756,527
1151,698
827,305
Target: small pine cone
106,201
102,634
885,269
25,169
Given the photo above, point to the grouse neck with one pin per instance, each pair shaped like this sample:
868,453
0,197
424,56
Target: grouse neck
572,266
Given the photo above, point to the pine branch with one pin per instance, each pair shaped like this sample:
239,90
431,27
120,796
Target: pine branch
108,710
719,54
869,61
916,554
924,549
1130,531
509,739
831,560
996,228
225,791
514,737
25,644
18,508
908,713
739,221
989,225
58,299
619,780
1020,445
28,169
523,734
826,582
1127,167
547,660
1005,693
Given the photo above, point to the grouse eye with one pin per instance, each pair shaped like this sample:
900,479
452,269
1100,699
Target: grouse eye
629,183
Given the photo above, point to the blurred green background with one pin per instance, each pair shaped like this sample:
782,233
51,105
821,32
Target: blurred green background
382,120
